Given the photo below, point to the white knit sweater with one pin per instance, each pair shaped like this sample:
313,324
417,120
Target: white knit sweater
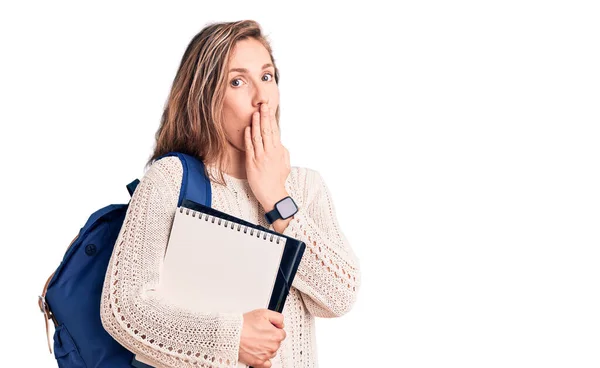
325,285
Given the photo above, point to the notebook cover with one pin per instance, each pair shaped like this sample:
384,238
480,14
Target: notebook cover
290,260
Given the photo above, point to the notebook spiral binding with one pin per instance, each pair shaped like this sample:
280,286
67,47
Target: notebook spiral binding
231,224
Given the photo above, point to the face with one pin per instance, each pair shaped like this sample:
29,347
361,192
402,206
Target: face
247,90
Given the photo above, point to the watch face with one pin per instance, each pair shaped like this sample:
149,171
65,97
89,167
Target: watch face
286,207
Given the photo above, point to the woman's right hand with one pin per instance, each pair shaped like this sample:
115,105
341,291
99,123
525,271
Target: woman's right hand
262,334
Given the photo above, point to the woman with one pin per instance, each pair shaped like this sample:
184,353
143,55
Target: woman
224,109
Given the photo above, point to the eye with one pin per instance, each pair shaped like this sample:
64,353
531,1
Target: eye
269,75
233,84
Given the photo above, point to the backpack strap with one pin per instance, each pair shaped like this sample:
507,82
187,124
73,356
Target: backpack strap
195,185
131,186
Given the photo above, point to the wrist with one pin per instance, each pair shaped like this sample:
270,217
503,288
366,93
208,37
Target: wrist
269,204
280,212
280,225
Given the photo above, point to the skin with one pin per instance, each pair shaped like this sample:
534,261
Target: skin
255,153
254,146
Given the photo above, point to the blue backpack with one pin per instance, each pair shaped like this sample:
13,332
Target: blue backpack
71,296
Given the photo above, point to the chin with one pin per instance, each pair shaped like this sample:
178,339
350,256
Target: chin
239,147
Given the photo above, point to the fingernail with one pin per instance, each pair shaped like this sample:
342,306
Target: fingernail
264,107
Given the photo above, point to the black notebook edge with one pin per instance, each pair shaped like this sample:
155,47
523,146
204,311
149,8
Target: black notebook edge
290,260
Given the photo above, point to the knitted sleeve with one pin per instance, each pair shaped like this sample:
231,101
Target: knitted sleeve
133,313
328,276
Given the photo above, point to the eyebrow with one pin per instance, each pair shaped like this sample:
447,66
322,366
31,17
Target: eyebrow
244,70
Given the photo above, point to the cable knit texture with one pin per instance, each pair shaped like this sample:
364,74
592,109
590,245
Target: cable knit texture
326,283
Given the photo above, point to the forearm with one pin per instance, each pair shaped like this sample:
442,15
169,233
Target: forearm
132,309
329,272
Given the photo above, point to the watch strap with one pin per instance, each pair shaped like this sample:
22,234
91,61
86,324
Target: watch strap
272,215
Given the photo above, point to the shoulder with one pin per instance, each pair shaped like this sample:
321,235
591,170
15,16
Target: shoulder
304,176
166,174
167,167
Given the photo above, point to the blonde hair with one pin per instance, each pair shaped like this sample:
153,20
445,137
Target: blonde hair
192,121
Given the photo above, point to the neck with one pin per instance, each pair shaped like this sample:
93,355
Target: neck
236,162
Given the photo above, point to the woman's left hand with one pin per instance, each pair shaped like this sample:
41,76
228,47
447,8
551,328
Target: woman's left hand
267,160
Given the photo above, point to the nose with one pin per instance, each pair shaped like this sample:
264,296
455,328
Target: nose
261,105
261,97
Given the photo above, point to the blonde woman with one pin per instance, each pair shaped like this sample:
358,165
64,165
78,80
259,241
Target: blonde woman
224,109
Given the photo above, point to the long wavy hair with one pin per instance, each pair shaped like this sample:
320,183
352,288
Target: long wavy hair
192,120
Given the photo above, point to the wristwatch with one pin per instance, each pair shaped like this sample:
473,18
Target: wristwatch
284,209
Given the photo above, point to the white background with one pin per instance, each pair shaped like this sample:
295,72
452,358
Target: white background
459,140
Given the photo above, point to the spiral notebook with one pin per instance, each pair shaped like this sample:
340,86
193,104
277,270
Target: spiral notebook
215,262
